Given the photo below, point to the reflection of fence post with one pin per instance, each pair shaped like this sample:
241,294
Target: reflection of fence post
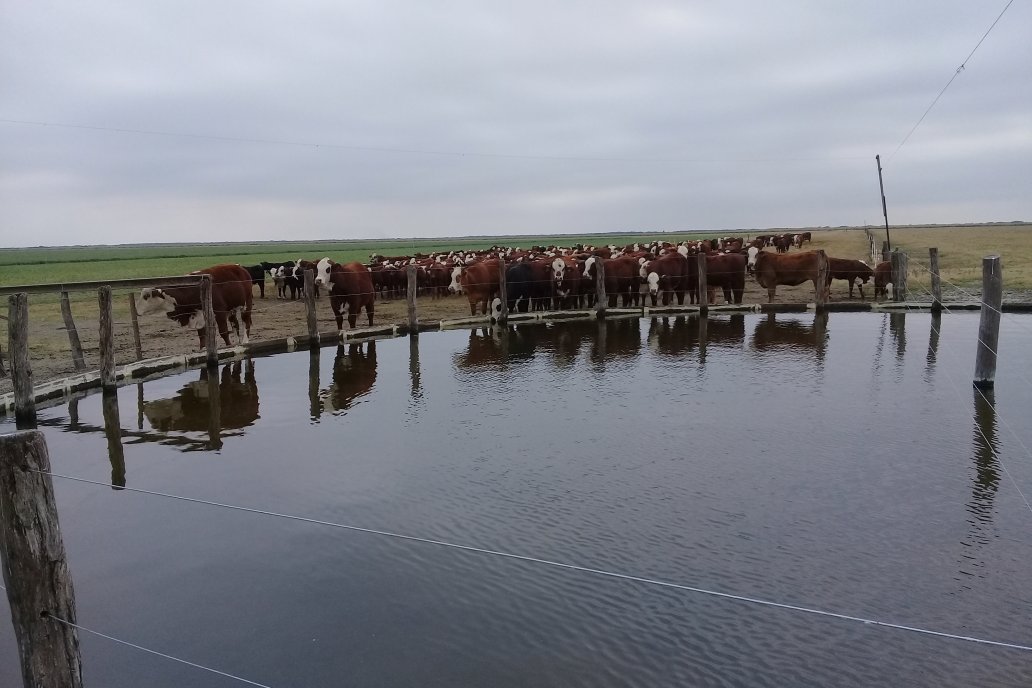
933,268
600,288
113,433
73,334
36,574
210,331
21,369
134,317
107,339
413,285
703,285
503,291
214,409
823,279
313,323
989,322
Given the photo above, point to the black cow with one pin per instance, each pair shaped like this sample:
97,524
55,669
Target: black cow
257,273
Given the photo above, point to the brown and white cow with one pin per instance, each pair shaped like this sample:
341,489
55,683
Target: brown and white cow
727,273
351,285
772,269
231,300
480,283
669,274
882,279
853,271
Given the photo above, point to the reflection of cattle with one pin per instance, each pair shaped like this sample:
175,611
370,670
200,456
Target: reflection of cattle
231,298
354,375
790,333
853,271
190,409
680,335
792,270
484,350
617,338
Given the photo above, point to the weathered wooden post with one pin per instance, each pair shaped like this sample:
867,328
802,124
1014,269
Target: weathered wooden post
933,268
210,331
21,369
884,251
503,292
703,285
413,285
107,339
35,568
3,372
313,324
989,322
113,434
134,317
823,279
899,276
600,288
73,334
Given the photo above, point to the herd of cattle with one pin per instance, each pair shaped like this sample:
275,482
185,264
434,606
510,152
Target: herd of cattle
538,278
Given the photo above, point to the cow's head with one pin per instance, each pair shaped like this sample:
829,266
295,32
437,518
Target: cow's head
652,279
589,264
455,287
750,264
155,301
322,272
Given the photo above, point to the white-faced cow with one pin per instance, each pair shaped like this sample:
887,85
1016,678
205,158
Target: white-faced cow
230,299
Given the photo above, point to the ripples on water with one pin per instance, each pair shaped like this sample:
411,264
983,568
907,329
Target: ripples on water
838,462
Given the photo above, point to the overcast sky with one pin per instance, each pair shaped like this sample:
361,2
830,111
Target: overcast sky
204,121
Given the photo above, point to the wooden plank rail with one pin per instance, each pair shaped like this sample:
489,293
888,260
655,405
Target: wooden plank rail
56,287
35,567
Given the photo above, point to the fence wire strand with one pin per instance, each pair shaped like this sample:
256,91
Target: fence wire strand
572,567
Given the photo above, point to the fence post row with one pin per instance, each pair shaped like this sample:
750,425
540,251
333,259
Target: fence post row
899,275
35,568
989,323
21,369
933,268
73,334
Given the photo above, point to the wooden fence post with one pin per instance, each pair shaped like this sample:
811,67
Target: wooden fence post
703,285
211,344
413,285
823,279
134,317
21,368
73,334
107,339
933,268
503,292
989,322
313,323
884,251
600,288
899,276
35,568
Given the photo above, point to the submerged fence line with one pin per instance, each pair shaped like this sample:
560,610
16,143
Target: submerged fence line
564,565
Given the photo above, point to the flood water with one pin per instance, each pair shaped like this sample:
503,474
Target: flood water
840,462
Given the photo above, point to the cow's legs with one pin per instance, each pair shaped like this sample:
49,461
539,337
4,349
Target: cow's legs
770,294
222,320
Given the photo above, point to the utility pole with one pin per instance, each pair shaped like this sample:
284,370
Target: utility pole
884,210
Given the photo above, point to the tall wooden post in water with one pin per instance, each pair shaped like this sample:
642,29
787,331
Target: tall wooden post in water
35,569
107,338
823,279
210,331
413,285
600,288
700,260
989,322
313,322
503,292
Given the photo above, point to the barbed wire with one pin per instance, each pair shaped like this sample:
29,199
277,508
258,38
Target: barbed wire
566,566
154,652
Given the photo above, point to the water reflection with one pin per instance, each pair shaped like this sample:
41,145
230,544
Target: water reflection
933,345
113,433
677,336
772,334
898,331
212,404
354,375
985,447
